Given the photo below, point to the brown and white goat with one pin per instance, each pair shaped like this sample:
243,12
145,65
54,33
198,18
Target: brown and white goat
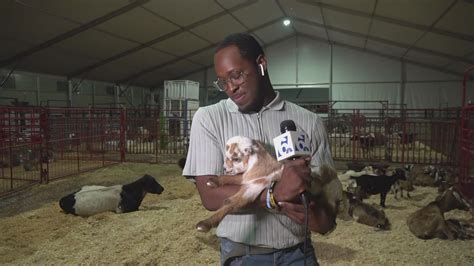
428,222
248,164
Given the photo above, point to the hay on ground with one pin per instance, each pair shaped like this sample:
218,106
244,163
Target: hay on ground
35,231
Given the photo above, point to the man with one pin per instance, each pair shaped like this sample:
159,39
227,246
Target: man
255,110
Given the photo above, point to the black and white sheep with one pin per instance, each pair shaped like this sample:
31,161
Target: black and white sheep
90,200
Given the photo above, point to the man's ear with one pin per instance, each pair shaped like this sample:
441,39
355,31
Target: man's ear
262,60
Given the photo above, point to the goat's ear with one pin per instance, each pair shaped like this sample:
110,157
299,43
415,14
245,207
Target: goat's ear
249,150
252,149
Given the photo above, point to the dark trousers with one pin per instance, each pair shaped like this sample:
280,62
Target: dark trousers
237,254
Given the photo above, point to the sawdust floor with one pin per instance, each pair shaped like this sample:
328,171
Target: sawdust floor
33,230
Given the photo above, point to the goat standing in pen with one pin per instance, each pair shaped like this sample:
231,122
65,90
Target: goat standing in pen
373,185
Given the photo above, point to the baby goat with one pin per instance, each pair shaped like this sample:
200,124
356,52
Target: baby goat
248,164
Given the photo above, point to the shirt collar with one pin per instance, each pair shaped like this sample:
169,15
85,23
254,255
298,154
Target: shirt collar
276,104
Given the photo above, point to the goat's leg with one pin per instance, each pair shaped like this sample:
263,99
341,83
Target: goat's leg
383,195
217,181
232,204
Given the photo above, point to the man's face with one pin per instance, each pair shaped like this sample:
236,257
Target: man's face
248,96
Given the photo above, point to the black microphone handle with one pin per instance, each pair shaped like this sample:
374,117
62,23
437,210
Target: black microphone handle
285,126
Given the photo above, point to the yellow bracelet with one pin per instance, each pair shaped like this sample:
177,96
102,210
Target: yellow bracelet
273,202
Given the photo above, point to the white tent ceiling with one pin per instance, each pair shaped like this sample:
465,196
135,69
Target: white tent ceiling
144,42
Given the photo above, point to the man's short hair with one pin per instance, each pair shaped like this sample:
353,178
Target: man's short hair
248,46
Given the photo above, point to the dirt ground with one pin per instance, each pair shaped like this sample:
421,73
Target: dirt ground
33,230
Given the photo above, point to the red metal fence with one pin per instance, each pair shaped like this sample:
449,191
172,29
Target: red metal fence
466,144
40,144
466,152
422,136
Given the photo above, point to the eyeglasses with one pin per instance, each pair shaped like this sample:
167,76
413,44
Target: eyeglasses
235,78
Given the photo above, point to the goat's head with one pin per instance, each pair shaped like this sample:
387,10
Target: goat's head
368,169
238,152
408,167
429,170
150,185
400,174
383,224
451,199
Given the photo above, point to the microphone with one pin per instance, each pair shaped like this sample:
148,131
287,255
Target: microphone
291,144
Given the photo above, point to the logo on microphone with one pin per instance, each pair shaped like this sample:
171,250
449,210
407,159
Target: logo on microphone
291,144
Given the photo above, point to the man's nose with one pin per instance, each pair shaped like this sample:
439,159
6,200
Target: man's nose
231,87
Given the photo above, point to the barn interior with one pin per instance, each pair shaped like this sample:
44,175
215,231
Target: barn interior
102,92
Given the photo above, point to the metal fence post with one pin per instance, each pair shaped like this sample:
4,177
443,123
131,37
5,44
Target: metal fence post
122,134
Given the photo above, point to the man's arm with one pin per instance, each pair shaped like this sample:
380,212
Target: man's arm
287,192
213,198
205,160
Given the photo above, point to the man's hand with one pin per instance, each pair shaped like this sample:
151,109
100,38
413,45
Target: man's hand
296,178
296,211
319,220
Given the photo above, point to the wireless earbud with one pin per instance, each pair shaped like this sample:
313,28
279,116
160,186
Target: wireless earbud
261,70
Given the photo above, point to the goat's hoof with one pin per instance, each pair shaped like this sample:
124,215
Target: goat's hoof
212,182
203,227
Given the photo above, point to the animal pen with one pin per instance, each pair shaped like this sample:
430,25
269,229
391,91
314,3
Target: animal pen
40,144
421,136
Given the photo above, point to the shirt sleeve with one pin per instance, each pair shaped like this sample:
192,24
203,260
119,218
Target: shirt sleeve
320,146
204,154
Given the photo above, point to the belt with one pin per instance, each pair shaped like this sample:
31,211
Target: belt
253,250
239,249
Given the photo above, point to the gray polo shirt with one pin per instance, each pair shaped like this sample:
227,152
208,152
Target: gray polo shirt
213,125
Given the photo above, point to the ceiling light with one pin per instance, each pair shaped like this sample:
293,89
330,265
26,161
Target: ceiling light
286,22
